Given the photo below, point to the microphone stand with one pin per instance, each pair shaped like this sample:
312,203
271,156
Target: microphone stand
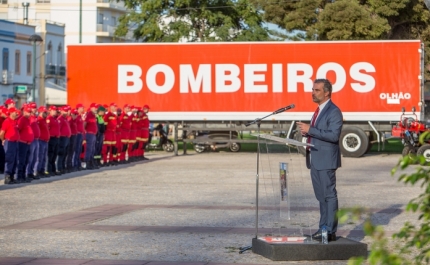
258,122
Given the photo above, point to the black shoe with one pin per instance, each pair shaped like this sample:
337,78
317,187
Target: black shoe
32,176
332,237
27,180
318,236
8,180
57,173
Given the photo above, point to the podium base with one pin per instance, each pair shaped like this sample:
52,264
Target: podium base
341,249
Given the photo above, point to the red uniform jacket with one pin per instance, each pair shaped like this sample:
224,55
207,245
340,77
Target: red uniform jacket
73,125
91,123
125,122
44,130
111,121
53,126
80,124
35,127
25,132
10,127
64,127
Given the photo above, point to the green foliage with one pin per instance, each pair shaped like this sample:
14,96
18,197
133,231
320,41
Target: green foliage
192,20
351,19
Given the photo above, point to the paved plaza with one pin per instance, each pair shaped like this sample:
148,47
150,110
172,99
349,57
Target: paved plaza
187,209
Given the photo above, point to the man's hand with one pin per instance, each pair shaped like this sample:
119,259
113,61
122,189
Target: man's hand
303,128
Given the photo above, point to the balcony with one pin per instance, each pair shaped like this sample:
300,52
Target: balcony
105,30
111,5
54,71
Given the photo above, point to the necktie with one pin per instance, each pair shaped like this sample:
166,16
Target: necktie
314,118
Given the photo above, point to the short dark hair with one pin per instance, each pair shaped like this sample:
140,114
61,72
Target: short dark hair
327,85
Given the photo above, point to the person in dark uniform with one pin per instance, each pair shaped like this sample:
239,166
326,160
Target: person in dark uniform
63,141
34,146
90,124
10,136
26,137
54,133
43,142
101,128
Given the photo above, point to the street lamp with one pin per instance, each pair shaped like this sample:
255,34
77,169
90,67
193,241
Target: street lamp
34,39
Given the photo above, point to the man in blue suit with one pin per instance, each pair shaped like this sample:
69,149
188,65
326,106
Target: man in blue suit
323,158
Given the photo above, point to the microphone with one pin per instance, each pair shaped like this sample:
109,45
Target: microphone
284,109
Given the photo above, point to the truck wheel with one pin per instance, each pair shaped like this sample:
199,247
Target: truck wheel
168,146
199,148
235,147
353,142
299,138
425,151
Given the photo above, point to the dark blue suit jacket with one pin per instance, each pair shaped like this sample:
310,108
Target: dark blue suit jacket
325,136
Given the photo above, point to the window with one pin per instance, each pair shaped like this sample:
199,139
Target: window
44,1
114,21
3,2
60,55
101,18
5,56
17,62
28,63
49,49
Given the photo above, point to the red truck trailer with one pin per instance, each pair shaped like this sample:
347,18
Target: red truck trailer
224,85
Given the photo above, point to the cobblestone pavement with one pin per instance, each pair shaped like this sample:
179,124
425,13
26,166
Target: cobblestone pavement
186,209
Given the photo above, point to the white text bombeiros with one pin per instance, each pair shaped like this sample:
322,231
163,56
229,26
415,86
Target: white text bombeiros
227,78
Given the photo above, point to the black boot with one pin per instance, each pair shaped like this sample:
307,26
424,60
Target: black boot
8,180
90,165
95,164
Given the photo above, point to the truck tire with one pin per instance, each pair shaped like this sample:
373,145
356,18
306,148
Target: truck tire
168,146
425,151
353,142
235,147
299,138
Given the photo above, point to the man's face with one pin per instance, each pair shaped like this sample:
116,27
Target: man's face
112,109
318,94
94,110
26,114
43,114
145,110
64,113
126,110
13,115
101,113
81,110
74,116
10,105
53,112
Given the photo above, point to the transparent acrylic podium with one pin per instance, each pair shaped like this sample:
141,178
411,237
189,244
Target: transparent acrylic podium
284,193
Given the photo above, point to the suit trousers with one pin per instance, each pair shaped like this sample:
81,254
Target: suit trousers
324,184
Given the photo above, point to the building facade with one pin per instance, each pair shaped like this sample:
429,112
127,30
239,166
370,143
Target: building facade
94,22
29,68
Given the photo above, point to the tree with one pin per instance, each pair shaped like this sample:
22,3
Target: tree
192,20
351,19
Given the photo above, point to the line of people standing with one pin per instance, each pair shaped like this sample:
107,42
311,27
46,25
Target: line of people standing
41,142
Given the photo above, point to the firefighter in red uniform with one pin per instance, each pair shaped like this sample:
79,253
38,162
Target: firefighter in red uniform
43,142
125,125
139,141
64,140
72,143
9,135
34,147
80,136
3,116
54,133
133,134
109,144
145,132
118,136
26,137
